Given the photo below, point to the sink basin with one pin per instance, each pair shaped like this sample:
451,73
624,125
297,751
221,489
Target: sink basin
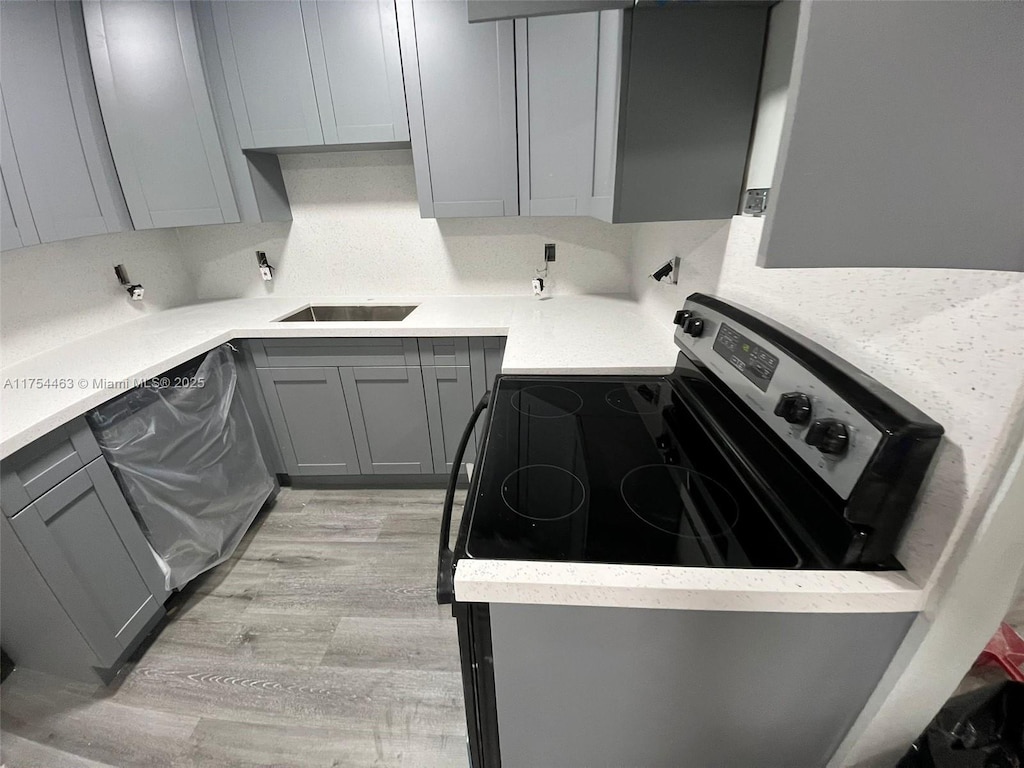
345,314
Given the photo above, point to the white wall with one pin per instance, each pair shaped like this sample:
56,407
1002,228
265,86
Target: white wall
55,293
950,341
357,231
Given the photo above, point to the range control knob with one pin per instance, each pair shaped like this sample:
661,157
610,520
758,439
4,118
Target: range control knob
794,407
682,315
693,326
830,436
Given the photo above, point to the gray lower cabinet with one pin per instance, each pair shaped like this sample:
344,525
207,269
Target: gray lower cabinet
310,415
83,541
461,91
157,113
377,406
448,384
55,128
897,151
389,418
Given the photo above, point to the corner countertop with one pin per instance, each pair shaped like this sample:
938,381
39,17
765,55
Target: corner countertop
557,335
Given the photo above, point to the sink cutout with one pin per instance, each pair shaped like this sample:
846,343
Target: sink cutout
368,313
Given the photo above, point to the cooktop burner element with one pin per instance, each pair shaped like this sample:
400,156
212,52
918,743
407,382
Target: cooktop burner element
547,401
634,399
543,492
680,501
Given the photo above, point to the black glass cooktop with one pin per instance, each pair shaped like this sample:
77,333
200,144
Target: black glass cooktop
591,469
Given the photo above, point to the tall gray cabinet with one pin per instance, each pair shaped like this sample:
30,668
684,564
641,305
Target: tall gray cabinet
157,113
59,178
312,73
460,88
899,150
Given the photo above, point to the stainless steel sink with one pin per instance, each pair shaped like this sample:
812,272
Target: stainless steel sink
352,313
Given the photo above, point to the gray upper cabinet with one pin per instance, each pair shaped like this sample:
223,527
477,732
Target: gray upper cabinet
688,94
899,150
556,78
80,536
58,146
157,112
310,417
357,70
460,88
389,419
312,73
263,49
17,228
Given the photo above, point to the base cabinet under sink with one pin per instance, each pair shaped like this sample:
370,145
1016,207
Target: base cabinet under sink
383,406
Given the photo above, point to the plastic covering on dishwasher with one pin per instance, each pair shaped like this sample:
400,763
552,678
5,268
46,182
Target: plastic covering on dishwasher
184,452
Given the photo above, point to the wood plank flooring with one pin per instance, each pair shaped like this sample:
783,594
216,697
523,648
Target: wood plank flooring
318,644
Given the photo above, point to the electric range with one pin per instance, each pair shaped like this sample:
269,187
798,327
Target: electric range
761,450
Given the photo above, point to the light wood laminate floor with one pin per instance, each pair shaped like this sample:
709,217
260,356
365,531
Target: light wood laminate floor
318,644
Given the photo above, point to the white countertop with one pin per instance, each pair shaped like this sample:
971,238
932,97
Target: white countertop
563,334
557,335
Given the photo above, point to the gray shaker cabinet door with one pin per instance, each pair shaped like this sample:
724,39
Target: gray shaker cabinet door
157,112
357,70
460,88
267,67
17,229
389,419
556,78
74,536
449,391
898,150
55,125
311,418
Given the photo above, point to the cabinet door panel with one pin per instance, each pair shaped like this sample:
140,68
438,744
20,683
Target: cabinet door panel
266,63
389,418
357,68
449,391
157,113
18,227
556,76
310,416
897,151
63,156
460,88
72,540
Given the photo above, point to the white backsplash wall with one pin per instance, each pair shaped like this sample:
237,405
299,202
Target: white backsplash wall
949,341
357,232
55,293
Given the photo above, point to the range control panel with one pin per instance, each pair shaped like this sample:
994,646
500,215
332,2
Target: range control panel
746,356
821,428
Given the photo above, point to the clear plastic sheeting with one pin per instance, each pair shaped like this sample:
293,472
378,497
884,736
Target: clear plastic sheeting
185,453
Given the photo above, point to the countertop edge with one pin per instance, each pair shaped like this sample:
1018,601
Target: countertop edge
676,588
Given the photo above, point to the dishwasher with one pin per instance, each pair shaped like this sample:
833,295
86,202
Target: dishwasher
185,454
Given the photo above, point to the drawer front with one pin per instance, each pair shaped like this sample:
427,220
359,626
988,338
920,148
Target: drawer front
35,469
325,353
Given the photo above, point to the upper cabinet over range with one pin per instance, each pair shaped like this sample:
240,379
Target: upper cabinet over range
903,138
640,115
311,73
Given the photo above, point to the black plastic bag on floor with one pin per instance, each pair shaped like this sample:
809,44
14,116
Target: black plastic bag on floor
980,729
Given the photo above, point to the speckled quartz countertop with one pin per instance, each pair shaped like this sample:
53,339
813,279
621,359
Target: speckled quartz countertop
557,335
562,334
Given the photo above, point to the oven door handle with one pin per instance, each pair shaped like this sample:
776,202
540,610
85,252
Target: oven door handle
445,556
